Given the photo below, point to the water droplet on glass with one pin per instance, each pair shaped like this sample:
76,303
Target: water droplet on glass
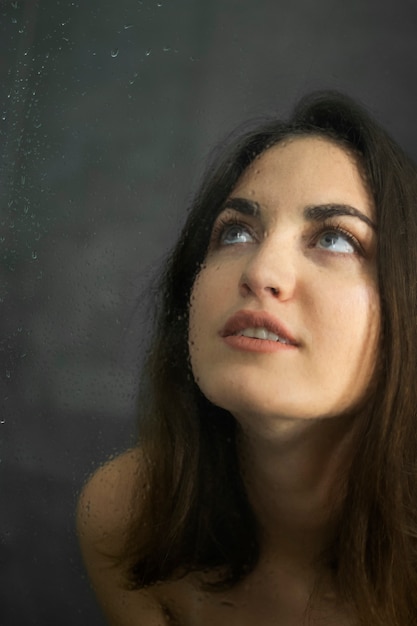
114,52
127,26
14,20
8,373
2,420
148,51
166,49
14,5
34,255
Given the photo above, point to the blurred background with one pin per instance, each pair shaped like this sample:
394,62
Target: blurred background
108,111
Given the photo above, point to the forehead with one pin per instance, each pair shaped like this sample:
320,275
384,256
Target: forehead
305,148
310,169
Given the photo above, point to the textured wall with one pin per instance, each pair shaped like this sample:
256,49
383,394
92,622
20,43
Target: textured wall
107,112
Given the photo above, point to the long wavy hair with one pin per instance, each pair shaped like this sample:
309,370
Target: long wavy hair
194,513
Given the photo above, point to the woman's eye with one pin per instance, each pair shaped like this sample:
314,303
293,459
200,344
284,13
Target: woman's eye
235,233
336,241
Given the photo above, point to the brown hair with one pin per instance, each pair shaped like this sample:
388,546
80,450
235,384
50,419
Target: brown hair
197,513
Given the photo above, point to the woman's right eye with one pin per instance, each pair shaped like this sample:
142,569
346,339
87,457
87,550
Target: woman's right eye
230,234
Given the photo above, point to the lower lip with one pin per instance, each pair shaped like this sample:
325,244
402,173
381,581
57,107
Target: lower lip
251,344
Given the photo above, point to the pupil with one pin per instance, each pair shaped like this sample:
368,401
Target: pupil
330,239
234,233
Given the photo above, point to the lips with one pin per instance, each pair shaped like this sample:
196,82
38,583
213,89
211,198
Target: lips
243,320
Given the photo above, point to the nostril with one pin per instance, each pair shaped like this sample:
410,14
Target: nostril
244,289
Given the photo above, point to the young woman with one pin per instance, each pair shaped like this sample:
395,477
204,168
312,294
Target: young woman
275,477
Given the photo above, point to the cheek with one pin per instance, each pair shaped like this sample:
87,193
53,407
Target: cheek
209,291
363,312
353,322
206,306
199,302
195,307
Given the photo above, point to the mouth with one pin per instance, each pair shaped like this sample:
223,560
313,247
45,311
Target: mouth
258,325
261,333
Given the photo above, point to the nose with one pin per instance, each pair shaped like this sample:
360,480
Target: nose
269,270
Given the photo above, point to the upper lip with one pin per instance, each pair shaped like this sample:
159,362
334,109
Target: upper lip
256,319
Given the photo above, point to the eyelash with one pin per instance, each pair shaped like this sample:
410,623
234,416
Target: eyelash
221,226
327,226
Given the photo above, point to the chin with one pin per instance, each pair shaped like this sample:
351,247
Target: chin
251,398
244,405
252,411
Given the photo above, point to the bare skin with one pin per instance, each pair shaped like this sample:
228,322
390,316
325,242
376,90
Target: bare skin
293,450
276,593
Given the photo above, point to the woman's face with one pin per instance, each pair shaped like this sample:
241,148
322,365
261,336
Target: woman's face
284,314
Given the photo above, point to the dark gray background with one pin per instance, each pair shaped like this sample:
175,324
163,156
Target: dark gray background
107,112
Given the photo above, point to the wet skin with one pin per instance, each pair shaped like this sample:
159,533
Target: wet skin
294,246
284,329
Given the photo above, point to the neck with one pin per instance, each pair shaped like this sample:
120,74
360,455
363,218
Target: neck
293,481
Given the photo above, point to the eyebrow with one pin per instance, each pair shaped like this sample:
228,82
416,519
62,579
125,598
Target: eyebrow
314,213
322,212
242,205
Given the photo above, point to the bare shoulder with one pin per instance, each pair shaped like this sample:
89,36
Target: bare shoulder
105,503
103,515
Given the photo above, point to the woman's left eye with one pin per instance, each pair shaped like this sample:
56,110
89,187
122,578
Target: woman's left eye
337,241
